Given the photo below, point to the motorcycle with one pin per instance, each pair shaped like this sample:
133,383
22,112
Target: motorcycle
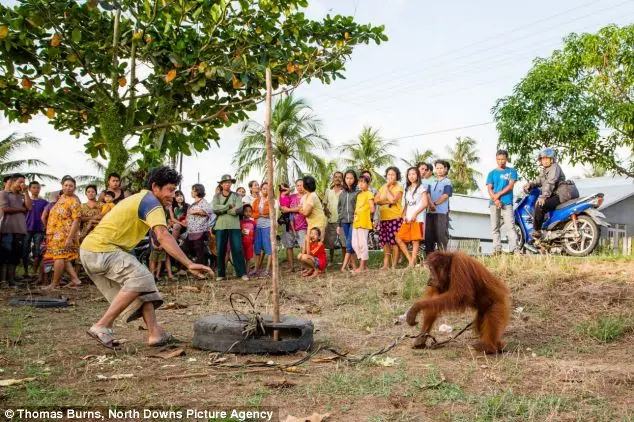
573,227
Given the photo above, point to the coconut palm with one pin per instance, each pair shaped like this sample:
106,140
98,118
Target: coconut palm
297,142
417,156
324,175
462,158
369,152
13,143
98,178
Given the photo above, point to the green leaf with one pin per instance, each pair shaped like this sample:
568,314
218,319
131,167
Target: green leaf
76,35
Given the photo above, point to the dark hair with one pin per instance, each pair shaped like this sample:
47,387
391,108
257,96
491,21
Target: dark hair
299,180
175,203
33,183
199,189
317,229
251,183
241,187
502,152
354,184
117,175
285,186
364,178
368,173
91,187
263,184
109,193
245,206
444,163
161,176
408,183
67,178
428,166
310,184
16,176
6,178
395,170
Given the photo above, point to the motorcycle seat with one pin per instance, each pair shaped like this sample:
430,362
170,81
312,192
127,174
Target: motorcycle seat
568,203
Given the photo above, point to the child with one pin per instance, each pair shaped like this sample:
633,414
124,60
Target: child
46,265
412,229
157,258
262,242
286,221
109,204
247,227
315,260
362,223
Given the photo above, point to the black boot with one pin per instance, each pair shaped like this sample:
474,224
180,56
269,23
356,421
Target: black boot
3,275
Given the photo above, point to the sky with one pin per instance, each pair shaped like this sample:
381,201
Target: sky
443,68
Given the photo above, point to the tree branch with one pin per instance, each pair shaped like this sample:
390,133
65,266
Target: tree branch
115,60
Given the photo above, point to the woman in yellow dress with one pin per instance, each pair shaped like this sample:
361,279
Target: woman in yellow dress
62,234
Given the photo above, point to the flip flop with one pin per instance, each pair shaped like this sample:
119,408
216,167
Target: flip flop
104,336
165,339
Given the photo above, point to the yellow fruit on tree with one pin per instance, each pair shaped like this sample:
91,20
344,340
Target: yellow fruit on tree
237,83
4,31
84,115
202,66
148,39
50,113
281,80
26,83
346,35
56,40
170,75
137,36
223,116
290,67
122,81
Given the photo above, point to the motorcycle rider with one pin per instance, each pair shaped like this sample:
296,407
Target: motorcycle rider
555,189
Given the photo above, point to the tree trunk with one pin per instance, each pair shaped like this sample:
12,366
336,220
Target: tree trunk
113,132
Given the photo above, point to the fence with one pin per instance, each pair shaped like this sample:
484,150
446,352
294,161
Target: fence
617,241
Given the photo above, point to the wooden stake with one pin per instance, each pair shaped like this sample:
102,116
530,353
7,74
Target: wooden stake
273,214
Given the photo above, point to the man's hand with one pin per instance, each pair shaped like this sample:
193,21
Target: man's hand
540,202
526,187
498,203
200,271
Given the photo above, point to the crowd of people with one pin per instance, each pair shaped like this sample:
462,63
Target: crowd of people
409,216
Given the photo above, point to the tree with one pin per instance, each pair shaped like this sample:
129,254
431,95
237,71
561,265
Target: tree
595,171
13,143
296,138
170,72
462,158
579,101
417,156
369,152
324,173
128,177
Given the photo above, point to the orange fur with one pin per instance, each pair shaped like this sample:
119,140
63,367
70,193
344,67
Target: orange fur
458,282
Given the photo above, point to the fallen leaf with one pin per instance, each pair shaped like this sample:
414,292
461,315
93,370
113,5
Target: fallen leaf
6,383
313,309
384,361
121,341
168,354
89,357
194,289
283,383
315,417
174,305
326,360
114,377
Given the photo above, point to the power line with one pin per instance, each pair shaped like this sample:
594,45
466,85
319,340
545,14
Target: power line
436,132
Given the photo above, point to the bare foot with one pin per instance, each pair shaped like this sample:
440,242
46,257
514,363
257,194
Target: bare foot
358,270
307,273
315,274
50,287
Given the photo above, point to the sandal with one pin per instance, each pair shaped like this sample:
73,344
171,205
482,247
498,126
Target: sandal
166,338
105,336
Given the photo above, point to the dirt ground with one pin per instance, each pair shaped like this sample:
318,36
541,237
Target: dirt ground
569,352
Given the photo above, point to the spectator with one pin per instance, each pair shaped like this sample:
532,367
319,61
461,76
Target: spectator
286,222
241,192
157,258
108,199
198,223
315,258
254,189
35,228
90,213
298,221
178,215
345,212
500,184
262,247
376,217
62,235
227,206
247,227
15,203
312,209
331,203
389,198
125,282
363,211
114,186
437,227
427,178
412,229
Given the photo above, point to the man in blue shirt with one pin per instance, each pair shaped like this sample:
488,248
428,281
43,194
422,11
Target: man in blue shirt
500,184
437,222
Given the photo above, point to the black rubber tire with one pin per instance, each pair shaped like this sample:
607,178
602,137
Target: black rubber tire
39,302
520,237
586,219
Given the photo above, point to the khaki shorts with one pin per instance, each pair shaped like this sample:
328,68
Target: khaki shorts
331,236
117,271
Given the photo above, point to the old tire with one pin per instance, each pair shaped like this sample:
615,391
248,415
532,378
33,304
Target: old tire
219,333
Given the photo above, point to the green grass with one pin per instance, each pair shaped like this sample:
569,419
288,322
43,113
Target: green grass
413,287
607,329
358,383
37,394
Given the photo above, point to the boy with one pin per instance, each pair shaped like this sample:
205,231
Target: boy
437,227
108,198
247,228
500,184
315,260
35,228
157,258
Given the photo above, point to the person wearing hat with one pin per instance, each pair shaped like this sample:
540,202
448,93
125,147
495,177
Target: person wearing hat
227,206
555,189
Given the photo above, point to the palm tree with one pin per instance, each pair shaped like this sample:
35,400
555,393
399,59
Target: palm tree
324,175
369,152
419,157
11,144
98,178
297,142
462,158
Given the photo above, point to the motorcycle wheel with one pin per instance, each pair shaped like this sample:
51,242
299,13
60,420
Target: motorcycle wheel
520,238
589,236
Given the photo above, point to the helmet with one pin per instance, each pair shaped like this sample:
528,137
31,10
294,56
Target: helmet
546,152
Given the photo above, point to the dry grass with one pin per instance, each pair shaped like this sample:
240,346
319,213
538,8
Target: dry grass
568,350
